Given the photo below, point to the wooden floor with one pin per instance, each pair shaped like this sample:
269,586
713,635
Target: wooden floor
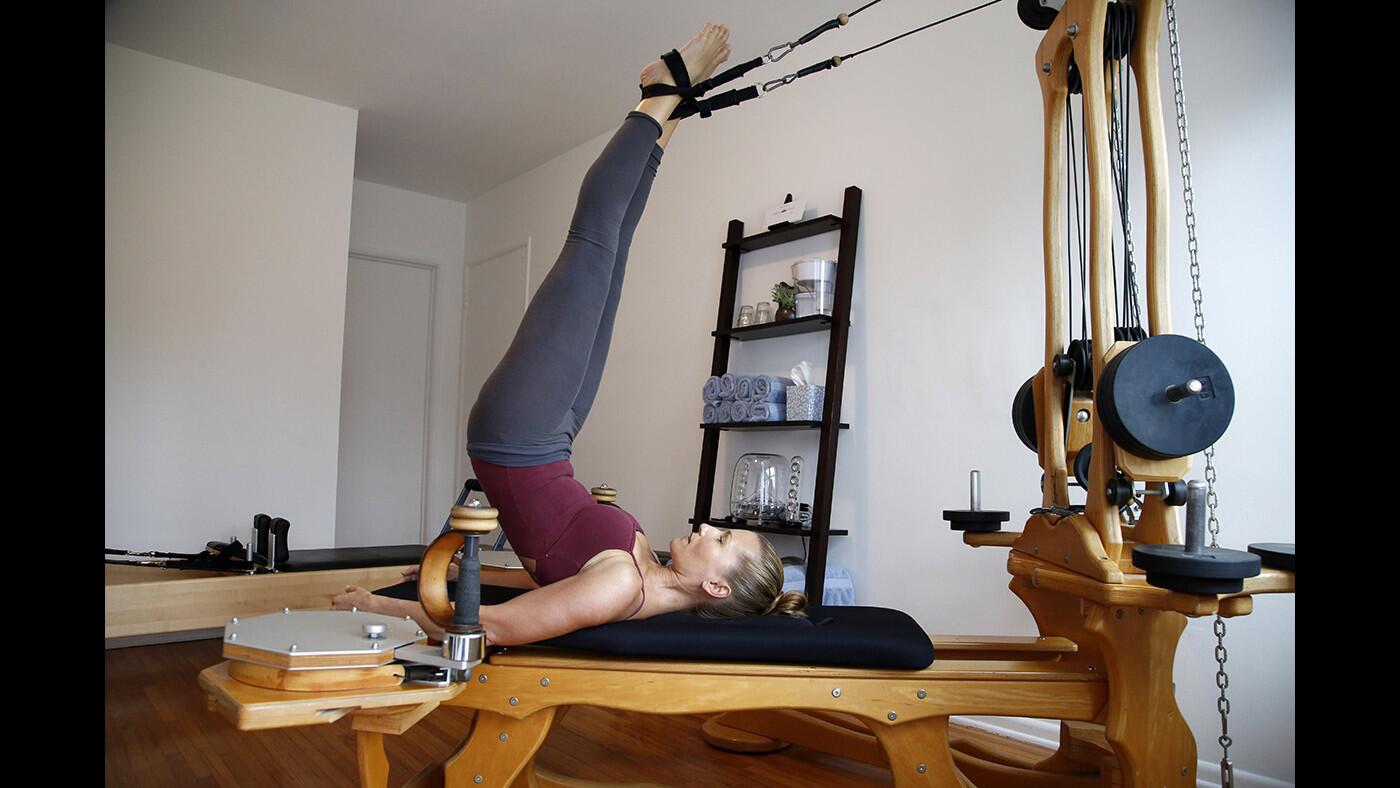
160,733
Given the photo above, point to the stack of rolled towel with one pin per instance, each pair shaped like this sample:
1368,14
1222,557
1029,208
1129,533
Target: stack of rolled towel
733,398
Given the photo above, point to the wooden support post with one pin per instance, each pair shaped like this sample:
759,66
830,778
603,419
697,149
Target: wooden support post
918,753
1154,745
374,764
498,750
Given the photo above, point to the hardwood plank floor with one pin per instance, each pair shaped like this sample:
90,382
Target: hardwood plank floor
159,733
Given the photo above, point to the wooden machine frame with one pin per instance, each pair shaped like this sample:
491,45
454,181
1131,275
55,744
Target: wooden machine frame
1103,661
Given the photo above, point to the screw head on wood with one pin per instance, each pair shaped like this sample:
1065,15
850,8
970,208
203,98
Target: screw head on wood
1045,67
515,701
505,736
922,694
1073,30
836,693
481,678
892,716
544,682
922,768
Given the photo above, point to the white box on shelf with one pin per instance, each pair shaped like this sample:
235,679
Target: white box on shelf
804,403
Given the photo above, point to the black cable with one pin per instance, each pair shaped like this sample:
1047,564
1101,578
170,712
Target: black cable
915,30
1069,259
862,8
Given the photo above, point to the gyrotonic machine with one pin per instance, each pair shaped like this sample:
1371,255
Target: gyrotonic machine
1120,408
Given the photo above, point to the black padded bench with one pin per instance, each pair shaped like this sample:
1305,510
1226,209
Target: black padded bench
861,637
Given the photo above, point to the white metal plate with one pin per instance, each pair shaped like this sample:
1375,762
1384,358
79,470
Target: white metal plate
321,633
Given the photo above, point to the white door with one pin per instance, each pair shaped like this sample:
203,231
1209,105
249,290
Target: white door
384,403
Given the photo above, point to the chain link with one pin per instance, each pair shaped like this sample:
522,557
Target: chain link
1222,679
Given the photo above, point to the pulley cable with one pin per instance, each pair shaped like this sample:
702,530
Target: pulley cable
691,102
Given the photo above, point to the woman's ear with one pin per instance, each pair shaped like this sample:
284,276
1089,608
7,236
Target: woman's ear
716,588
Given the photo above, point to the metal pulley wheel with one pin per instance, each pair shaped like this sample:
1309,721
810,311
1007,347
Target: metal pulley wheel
1165,397
1038,14
1023,414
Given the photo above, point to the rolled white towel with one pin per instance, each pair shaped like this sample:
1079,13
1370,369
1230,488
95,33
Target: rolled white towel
769,388
743,387
726,413
767,411
739,410
711,391
727,382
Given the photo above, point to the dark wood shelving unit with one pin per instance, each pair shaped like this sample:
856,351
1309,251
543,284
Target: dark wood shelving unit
785,529
838,324
782,235
785,328
769,425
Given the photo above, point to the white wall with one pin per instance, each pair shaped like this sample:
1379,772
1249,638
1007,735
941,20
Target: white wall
227,234
418,228
943,133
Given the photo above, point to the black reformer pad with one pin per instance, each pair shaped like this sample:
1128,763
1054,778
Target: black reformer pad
845,636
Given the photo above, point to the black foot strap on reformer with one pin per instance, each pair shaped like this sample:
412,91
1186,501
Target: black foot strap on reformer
691,103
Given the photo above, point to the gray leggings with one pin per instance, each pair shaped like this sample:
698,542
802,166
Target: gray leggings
536,400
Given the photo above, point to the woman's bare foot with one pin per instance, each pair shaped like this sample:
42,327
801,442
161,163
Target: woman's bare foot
701,54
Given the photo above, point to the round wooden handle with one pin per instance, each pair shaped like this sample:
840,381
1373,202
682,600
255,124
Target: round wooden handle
432,576
604,493
473,519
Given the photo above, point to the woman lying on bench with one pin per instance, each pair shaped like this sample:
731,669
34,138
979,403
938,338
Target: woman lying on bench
592,562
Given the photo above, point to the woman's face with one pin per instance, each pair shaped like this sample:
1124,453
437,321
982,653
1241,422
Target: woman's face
708,556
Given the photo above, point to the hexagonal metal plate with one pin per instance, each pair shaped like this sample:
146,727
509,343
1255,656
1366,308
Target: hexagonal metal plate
322,633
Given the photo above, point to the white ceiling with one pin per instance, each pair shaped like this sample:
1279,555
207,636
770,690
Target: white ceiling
455,96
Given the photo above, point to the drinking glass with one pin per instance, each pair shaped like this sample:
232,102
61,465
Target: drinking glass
764,313
745,315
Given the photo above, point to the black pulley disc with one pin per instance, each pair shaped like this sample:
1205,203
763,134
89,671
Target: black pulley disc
1134,397
1081,465
1213,570
1023,414
978,521
1275,555
1035,15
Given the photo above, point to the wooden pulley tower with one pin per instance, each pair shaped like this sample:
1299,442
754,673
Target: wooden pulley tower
1126,402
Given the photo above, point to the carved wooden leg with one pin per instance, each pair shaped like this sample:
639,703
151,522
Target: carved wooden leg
1154,745
498,750
918,753
374,764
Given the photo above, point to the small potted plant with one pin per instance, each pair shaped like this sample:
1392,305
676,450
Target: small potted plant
785,296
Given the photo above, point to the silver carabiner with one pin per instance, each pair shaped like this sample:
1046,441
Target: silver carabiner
774,84
788,47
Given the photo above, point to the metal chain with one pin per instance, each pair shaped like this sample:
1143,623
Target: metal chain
1222,679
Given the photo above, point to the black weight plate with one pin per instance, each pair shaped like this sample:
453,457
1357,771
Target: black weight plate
1035,15
1132,398
1023,414
1081,465
1211,562
979,521
1276,555
1195,585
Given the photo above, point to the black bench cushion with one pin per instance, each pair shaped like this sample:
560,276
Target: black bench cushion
352,557
855,637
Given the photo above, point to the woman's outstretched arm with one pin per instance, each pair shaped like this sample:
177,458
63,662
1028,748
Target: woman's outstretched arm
607,591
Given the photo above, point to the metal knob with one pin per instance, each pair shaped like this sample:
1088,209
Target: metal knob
373,630
1177,392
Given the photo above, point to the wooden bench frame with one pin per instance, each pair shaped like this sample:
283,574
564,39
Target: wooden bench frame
897,718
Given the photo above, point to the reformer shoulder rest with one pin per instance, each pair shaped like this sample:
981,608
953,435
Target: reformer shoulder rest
859,637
